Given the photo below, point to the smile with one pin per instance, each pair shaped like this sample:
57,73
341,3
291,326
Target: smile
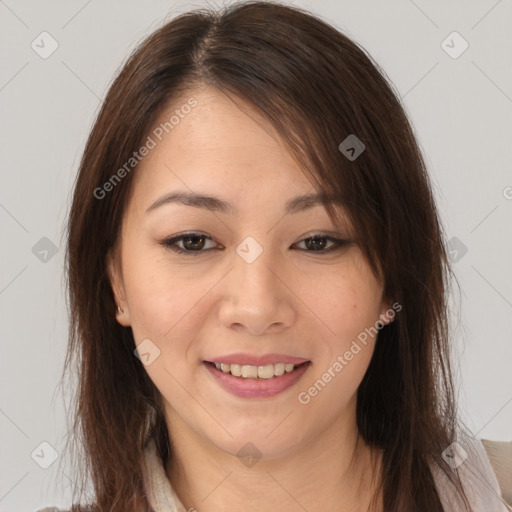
256,372
247,381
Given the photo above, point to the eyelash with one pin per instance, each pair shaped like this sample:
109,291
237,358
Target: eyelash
170,243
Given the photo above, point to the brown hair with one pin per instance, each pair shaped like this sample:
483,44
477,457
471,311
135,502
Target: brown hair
315,86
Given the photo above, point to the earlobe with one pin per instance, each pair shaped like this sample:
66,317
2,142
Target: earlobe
116,283
388,312
123,316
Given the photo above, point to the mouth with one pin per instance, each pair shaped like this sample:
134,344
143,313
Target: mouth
246,381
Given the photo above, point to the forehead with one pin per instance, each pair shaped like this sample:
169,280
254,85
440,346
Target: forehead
220,146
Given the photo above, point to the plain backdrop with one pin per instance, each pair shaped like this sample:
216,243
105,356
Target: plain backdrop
460,106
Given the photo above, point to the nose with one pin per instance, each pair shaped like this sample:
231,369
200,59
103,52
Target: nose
257,297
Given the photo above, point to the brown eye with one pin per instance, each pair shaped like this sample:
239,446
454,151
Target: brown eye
191,243
318,243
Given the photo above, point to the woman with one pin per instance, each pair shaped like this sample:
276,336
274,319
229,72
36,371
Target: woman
257,282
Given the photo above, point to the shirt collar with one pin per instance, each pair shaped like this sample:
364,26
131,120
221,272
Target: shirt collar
160,494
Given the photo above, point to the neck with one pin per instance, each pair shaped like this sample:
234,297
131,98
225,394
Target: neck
331,471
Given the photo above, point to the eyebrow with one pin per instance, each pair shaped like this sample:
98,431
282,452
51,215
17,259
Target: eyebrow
215,204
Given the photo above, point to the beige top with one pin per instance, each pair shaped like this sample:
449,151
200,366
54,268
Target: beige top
470,457
475,471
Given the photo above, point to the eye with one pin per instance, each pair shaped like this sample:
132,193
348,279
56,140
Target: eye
194,243
318,241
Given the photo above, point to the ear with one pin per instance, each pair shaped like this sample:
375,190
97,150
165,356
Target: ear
117,284
388,311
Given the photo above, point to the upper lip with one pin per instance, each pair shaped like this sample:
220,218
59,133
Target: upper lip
253,360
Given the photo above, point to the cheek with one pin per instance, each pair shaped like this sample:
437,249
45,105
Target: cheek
164,308
347,307
344,358
158,296
170,309
350,306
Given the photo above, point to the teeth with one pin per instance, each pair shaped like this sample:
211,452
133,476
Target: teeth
279,368
235,369
249,372
255,372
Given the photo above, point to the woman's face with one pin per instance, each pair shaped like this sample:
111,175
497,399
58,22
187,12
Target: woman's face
251,290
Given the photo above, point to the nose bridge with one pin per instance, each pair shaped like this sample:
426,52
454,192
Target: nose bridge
252,272
255,297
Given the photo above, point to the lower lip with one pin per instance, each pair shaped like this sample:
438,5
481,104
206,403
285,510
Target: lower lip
257,388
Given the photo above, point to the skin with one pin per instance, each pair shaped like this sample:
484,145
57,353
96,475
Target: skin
297,301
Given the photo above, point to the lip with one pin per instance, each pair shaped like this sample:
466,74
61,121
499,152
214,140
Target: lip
253,360
257,388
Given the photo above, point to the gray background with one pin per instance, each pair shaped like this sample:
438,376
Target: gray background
461,110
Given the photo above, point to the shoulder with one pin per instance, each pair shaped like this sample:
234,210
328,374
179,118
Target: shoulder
500,457
468,459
